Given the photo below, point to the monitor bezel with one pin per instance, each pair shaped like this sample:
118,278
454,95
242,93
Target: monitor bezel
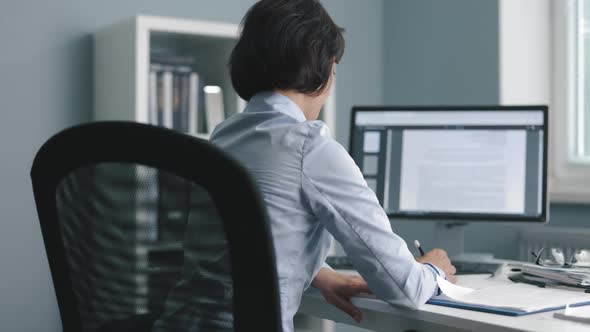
467,217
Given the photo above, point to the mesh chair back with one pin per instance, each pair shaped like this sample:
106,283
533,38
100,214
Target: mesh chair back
151,230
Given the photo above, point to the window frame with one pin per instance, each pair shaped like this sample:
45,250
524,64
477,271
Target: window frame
569,180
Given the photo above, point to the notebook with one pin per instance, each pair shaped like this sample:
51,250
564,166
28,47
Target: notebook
512,299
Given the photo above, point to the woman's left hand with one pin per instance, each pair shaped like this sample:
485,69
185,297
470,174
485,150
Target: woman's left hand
338,288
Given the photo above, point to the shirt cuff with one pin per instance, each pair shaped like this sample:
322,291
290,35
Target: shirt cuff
436,272
327,266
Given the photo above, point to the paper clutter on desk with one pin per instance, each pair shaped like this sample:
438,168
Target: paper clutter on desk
567,276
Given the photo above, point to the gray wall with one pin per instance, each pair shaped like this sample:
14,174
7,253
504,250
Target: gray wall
359,76
441,52
446,52
46,86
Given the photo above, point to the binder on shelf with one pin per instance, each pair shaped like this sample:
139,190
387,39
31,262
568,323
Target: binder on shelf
176,92
193,108
156,94
153,95
184,101
180,98
167,98
214,109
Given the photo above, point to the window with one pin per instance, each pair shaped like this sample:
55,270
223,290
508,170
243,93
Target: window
580,144
570,101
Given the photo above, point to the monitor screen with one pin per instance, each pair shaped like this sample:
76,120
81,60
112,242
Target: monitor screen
448,163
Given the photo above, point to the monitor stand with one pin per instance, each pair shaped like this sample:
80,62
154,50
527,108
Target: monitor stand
450,236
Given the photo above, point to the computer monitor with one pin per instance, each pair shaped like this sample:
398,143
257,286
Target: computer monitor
465,163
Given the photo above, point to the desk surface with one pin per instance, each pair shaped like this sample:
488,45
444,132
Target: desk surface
380,316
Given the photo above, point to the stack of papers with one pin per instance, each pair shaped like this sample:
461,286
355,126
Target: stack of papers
567,276
512,299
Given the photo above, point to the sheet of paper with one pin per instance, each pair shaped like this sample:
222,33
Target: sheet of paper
453,291
477,281
582,312
515,296
576,314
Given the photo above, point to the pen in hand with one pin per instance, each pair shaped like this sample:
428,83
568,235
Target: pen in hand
417,244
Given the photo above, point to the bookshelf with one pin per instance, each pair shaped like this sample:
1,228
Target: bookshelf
122,57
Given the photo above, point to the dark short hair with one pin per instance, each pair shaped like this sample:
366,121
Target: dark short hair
285,44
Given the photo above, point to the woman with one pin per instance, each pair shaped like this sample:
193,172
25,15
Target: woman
284,64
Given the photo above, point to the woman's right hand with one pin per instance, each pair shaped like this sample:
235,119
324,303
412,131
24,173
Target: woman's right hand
439,258
338,288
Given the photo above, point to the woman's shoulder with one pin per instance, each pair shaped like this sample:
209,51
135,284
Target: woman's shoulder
319,140
318,130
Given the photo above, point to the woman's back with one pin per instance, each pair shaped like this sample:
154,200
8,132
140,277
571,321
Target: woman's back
268,138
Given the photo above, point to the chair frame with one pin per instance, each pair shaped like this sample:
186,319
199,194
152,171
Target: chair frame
232,189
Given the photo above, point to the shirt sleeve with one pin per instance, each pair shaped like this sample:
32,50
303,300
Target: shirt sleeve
344,204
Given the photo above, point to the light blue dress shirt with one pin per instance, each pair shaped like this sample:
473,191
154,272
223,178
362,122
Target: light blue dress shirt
315,192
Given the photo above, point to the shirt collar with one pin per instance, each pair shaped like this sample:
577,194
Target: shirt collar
270,101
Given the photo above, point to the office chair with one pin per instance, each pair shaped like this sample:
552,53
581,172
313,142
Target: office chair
147,229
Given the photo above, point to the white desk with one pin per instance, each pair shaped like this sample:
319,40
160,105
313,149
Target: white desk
380,316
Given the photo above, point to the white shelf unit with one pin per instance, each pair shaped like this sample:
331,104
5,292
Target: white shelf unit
122,54
122,58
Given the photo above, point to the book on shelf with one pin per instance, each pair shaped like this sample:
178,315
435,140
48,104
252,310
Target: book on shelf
194,99
180,101
160,95
167,97
175,99
153,95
